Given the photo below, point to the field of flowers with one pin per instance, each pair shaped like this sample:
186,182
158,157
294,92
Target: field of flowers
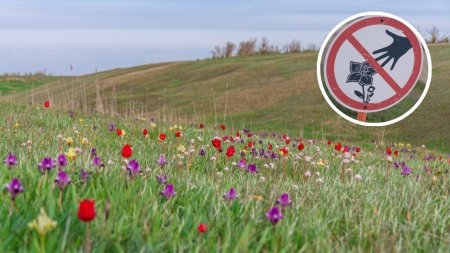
74,183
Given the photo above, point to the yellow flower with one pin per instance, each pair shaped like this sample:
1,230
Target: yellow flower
321,163
152,124
71,154
17,125
85,141
408,145
69,141
81,120
43,223
401,144
258,197
181,149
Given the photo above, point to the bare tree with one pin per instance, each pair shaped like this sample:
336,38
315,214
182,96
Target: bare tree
247,48
293,47
264,46
217,52
229,49
312,47
434,35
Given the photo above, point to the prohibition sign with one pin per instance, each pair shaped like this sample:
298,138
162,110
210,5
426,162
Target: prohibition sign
386,75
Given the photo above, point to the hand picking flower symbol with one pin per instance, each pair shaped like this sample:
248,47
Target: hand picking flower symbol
362,74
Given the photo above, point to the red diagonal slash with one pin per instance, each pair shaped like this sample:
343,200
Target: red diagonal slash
380,70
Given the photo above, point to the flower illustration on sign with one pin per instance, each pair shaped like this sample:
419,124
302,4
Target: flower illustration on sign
362,74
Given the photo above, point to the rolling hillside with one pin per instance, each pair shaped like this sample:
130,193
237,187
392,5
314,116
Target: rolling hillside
265,93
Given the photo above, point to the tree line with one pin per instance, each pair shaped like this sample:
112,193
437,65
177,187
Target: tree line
254,46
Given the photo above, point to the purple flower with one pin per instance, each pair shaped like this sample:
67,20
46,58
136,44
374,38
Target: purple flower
133,167
202,152
161,179
405,170
274,215
71,114
111,127
162,161
284,200
62,161
14,188
97,162
230,195
46,164
169,191
62,179
252,168
11,160
84,175
93,152
241,163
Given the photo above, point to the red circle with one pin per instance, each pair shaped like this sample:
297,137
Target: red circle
332,84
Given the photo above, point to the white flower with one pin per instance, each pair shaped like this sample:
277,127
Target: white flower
308,158
234,163
389,158
307,174
348,171
226,169
271,165
423,146
263,179
317,174
319,180
347,155
192,141
219,174
110,162
213,158
266,166
357,177
59,137
345,161
295,186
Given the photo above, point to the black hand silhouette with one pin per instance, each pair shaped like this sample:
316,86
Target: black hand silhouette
395,50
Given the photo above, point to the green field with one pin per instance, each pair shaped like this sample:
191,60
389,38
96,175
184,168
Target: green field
266,93
364,210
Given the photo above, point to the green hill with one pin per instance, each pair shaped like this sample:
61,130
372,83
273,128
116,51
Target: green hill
265,93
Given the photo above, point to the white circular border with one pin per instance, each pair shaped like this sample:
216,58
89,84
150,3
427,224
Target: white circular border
319,70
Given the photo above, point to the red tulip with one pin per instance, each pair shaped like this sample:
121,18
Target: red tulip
396,152
162,136
230,151
249,135
216,142
222,127
270,146
145,132
202,126
358,149
338,146
284,151
238,134
86,210
202,228
388,151
301,146
329,142
47,104
178,134
127,151
119,131
250,144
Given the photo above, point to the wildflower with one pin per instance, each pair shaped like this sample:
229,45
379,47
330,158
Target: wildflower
202,228
178,134
230,194
69,141
284,151
43,224
145,132
85,141
252,168
168,191
396,152
133,167
357,177
162,136
127,151
213,158
338,146
96,161
301,146
62,179
358,149
388,151
274,215
181,148
217,142
111,127
14,188
329,142
161,179
405,170
263,179
319,180
62,161
201,126
222,127
46,164
119,132
162,161
284,200
270,147
47,104
93,152
71,154
86,210
84,175
307,174
11,160
202,152
230,151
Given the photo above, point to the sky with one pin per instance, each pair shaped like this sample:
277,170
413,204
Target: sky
92,35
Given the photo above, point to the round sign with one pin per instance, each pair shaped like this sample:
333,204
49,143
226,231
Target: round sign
372,62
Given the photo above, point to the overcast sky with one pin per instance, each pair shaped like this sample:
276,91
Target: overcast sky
53,35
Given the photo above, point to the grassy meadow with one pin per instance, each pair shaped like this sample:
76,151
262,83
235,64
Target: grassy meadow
343,196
